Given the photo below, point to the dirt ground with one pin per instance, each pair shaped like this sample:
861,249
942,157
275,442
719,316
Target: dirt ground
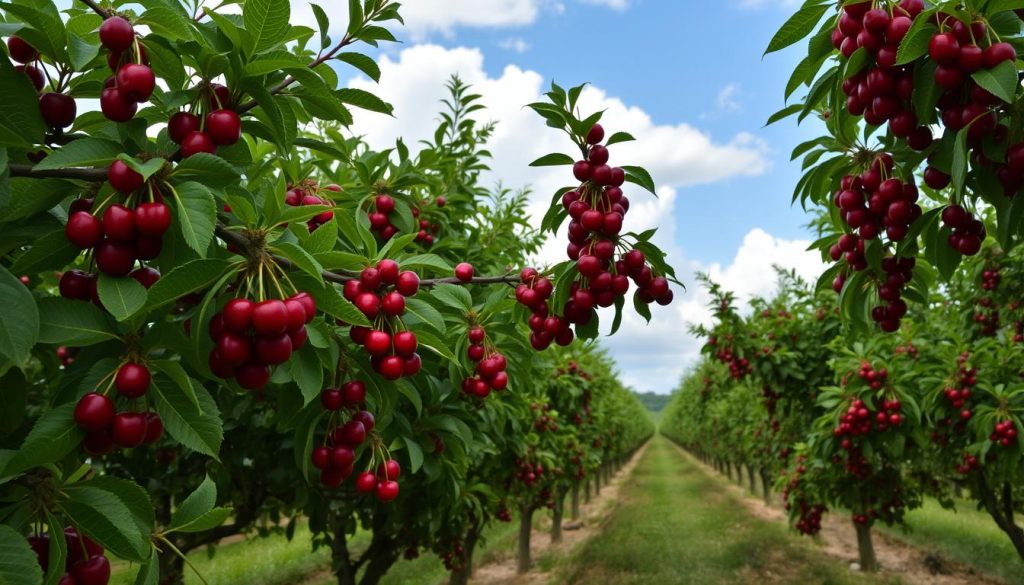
838,540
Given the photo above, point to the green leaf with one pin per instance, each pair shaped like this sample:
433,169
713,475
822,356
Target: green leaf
425,313
179,376
31,196
355,16
199,502
329,300
19,318
301,259
959,168
553,159
18,563
427,261
196,215
915,43
50,252
208,169
21,124
122,297
198,428
363,63
323,22
84,152
798,26
363,99
48,33
133,496
185,279
167,18
1001,81
454,296
784,113
436,344
415,455
267,23
639,176
58,551
146,169
619,137
104,517
307,373
53,436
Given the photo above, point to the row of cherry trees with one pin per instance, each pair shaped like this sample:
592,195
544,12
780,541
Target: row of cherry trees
222,313
871,426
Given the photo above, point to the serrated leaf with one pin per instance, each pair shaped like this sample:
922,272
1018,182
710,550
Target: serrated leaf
179,376
199,429
196,215
185,279
208,169
415,455
21,124
18,563
199,502
1001,81
19,318
104,517
53,436
121,297
363,99
267,23
426,313
301,258
307,373
363,63
73,323
915,44
454,296
798,26
553,159
84,152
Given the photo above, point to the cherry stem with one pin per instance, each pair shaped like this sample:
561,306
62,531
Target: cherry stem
95,8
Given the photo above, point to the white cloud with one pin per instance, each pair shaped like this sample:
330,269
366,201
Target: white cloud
517,44
727,100
613,4
758,4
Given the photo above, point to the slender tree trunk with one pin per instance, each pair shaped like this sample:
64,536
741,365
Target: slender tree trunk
753,481
576,501
342,562
866,548
597,482
607,474
461,575
586,493
556,516
1001,509
525,529
766,490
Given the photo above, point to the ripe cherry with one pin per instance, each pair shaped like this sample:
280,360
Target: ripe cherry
377,342
181,125
136,82
464,272
392,367
368,303
128,429
35,75
366,483
308,304
115,258
224,127
321,457
152,219
354,392
408,283
84,230
274,350
387,491
132,380
117,34
58,110
123,179
413,364
299,338
21,51
366,418
388,270
220,96
393,304
95,571
342,457
596,134
352,434
148,247
252,376
270,317
196,142
441,201
116,105
119,223
238,314
76,285
94,412
405,343
390,469
154,428
332,399
233,348
944,48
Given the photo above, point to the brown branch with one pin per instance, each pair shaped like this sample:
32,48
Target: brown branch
95,8
94,174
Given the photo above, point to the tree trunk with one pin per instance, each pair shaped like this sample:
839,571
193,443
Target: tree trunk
525,529
607,474
576,501
766,489
597,483
556,516
866,548
753,481
341,561
461,575
1001,510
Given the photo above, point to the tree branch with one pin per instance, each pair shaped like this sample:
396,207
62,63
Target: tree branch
94,175
95,8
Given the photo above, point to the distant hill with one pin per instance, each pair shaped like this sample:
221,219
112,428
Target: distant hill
654,402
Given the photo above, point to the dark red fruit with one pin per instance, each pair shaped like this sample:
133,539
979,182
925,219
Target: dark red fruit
21,51
152,219
252,376
58,110
596,134
224,127
196,142
95,571
238,314
354,392
352,434
123,179
321,457
76,285
132,380
117,106
387,491
270,317
366,483
408,284
117,34
84,230
128,429
154,428
136,82
94,412
233,348
181,125
464,272
274,350
119,223
115,258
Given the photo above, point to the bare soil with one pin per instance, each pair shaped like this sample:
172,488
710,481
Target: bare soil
838,540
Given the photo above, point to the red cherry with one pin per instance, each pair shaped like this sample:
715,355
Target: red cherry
368,303
219,366
342,457
366,483
233,348
999,52
405,343
35,75
352,434
387,491
117,34
224,127
299,338
441,201
116,105
148,247
21,51
390,469
220,96
378,342
321,457
98,444
132,380
500,380
128,429
296,314
365,417
274,350
332,399
384,204
238,314
76,285
58,110
95,571
114,258
119,223
136,82
944,48
370,278
308,304
392,367
181,125
196,142
408,283
413,364
354,392
332,477
152,219
123,179
270,317
252,376
393,304
94,412
464,272
84,230
476,335
596,134
154,428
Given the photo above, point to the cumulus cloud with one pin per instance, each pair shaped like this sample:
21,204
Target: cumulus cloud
517,44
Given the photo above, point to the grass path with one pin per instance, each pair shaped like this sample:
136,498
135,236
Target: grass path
677,525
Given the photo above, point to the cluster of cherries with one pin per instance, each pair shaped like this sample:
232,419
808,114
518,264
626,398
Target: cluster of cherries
958,396
490,365
249,337
809,520
528,473
86,562
57,109
380,293
725,353
66,355
122,235
969,464
968,231
383,206
1005,433
105,427
452,557
427,230
133,81
336,458
305,195
871,203
882,91
533,292
544,423
221,125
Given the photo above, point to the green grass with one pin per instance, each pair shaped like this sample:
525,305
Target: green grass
966,536
677,525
